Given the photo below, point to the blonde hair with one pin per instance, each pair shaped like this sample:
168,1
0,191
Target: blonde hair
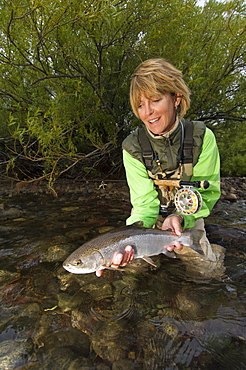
155,77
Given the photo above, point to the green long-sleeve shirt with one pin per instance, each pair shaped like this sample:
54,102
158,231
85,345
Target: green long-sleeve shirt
144,197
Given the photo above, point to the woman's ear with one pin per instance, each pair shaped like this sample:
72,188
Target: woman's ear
178,98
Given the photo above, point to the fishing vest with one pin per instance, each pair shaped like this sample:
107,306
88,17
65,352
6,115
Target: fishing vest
169,156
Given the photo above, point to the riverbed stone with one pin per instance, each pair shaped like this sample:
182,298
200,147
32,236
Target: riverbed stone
13,353
111,340
78,233
69,302
57,253
68,338
124,364
6,275
30,309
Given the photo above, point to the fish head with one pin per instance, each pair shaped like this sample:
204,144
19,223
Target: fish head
83,264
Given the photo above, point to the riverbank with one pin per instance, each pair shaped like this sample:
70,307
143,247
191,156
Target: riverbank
232,188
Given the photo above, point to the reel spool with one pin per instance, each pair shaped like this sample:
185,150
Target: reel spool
187,200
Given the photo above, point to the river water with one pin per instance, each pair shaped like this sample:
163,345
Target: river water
139,318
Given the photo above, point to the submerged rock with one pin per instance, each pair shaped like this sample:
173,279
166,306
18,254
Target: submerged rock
112,340
14,353
6,275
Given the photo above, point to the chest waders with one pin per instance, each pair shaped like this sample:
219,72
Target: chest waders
173,186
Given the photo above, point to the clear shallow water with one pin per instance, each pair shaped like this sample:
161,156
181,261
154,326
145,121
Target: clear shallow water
141,318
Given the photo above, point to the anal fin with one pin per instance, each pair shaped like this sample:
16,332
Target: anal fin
149,260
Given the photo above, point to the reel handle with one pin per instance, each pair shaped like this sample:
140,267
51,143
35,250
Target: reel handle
196,184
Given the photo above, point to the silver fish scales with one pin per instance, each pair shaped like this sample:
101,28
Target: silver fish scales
98,253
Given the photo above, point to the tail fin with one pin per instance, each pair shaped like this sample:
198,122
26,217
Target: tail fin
197,235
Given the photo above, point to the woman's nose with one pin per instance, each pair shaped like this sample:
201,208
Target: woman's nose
148,109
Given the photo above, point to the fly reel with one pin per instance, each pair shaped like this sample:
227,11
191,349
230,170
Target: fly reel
188,200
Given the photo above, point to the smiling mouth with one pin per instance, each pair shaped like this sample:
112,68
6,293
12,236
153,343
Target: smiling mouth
154,120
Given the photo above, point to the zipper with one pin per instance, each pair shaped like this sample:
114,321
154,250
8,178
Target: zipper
169,153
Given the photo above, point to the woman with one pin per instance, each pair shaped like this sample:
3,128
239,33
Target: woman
160,98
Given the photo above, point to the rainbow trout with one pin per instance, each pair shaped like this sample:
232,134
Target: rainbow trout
98,253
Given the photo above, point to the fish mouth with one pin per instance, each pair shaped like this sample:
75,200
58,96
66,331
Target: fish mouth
70,268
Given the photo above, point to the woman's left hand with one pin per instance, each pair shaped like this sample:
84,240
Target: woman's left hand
173,223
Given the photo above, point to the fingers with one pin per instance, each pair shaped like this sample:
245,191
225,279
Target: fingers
177,245
128,255
99,273
120,259
117,260
173,223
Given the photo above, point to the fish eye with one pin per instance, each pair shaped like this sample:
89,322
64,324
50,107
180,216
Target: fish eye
78,263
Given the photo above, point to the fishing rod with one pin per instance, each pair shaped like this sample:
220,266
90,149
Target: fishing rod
178,183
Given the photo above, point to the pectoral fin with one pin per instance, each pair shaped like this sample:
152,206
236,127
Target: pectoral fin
149,260
112,268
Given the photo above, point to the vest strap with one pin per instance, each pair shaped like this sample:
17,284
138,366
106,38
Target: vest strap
147,151
186,148
188,143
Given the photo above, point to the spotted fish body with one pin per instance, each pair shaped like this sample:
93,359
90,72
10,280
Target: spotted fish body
98,253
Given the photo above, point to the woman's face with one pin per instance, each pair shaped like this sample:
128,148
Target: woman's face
158,114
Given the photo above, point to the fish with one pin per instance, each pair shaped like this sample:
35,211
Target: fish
97,254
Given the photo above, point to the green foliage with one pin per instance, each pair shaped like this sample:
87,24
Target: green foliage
66,68
232,144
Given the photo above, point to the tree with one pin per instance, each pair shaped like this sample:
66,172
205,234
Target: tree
69,72
210,50
66,67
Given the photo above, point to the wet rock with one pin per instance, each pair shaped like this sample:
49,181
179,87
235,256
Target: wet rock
65,279
103,366
83,320
188,302
59,358
170,328
20,219
70,209
69,302
29,261
112,340
153,344
6,275
125,364
94,286
69,337
78,233
63,349
228,196
57,253
227,237
10,213
14,353
105,229
47,324
221,213
29,309
233,188
83,364
49,304
217,342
